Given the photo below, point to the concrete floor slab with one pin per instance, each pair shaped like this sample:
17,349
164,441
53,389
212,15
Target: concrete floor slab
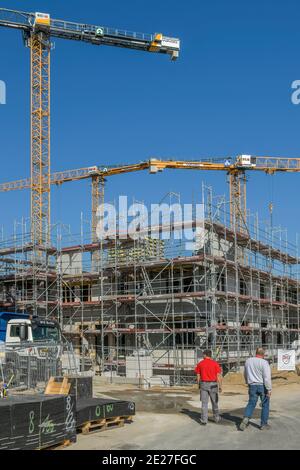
178,428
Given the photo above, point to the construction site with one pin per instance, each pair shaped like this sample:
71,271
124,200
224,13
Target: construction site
236,291
140,310
145,308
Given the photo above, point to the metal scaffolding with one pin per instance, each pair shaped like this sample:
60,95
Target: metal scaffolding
152,297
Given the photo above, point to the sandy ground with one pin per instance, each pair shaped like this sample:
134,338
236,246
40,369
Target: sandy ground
169,419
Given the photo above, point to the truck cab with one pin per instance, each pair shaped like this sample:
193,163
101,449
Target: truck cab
32,331
17,328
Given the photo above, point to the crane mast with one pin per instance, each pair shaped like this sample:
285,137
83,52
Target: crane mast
237,200
98,183
38,29
40,47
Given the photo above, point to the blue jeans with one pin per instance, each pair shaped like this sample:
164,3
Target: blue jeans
256,391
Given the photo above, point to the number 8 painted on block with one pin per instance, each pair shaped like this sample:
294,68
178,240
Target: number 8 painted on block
31,422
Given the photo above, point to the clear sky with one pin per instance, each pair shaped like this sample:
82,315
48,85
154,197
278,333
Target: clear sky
229,93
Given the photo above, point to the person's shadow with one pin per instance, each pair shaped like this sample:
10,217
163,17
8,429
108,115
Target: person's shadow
229,418
195,415
226,418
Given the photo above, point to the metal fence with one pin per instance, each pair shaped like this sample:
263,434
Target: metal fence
30,366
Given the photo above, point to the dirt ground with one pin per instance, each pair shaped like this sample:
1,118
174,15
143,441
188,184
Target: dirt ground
169,418
278,378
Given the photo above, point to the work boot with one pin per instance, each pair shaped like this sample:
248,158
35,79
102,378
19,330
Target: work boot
244,424
265,427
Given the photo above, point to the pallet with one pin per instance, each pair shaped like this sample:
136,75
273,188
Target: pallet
103,424
58,446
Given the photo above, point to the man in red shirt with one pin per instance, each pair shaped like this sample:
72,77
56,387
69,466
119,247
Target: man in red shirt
209,377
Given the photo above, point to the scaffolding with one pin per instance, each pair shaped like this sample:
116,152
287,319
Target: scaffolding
153,298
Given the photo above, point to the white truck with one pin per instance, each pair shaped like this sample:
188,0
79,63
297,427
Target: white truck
30,348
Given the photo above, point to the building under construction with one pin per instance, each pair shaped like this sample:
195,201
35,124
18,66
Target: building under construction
147,307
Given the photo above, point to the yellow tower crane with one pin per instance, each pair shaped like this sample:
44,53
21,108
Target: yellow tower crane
37,29
235,167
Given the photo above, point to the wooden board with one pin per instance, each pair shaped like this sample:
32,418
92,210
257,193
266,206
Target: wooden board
57,388
60,445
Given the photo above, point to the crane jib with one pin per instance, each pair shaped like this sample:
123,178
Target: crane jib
95,34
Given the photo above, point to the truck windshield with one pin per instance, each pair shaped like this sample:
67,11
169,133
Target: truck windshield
45,333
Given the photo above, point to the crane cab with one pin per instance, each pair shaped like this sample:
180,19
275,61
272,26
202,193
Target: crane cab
42,21
246,161
93,170
154,168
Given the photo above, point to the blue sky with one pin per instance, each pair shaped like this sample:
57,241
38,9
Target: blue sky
229,93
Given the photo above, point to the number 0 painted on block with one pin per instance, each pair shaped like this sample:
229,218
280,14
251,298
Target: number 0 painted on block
109,408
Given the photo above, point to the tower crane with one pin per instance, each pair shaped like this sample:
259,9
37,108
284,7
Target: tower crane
235,167
38,29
